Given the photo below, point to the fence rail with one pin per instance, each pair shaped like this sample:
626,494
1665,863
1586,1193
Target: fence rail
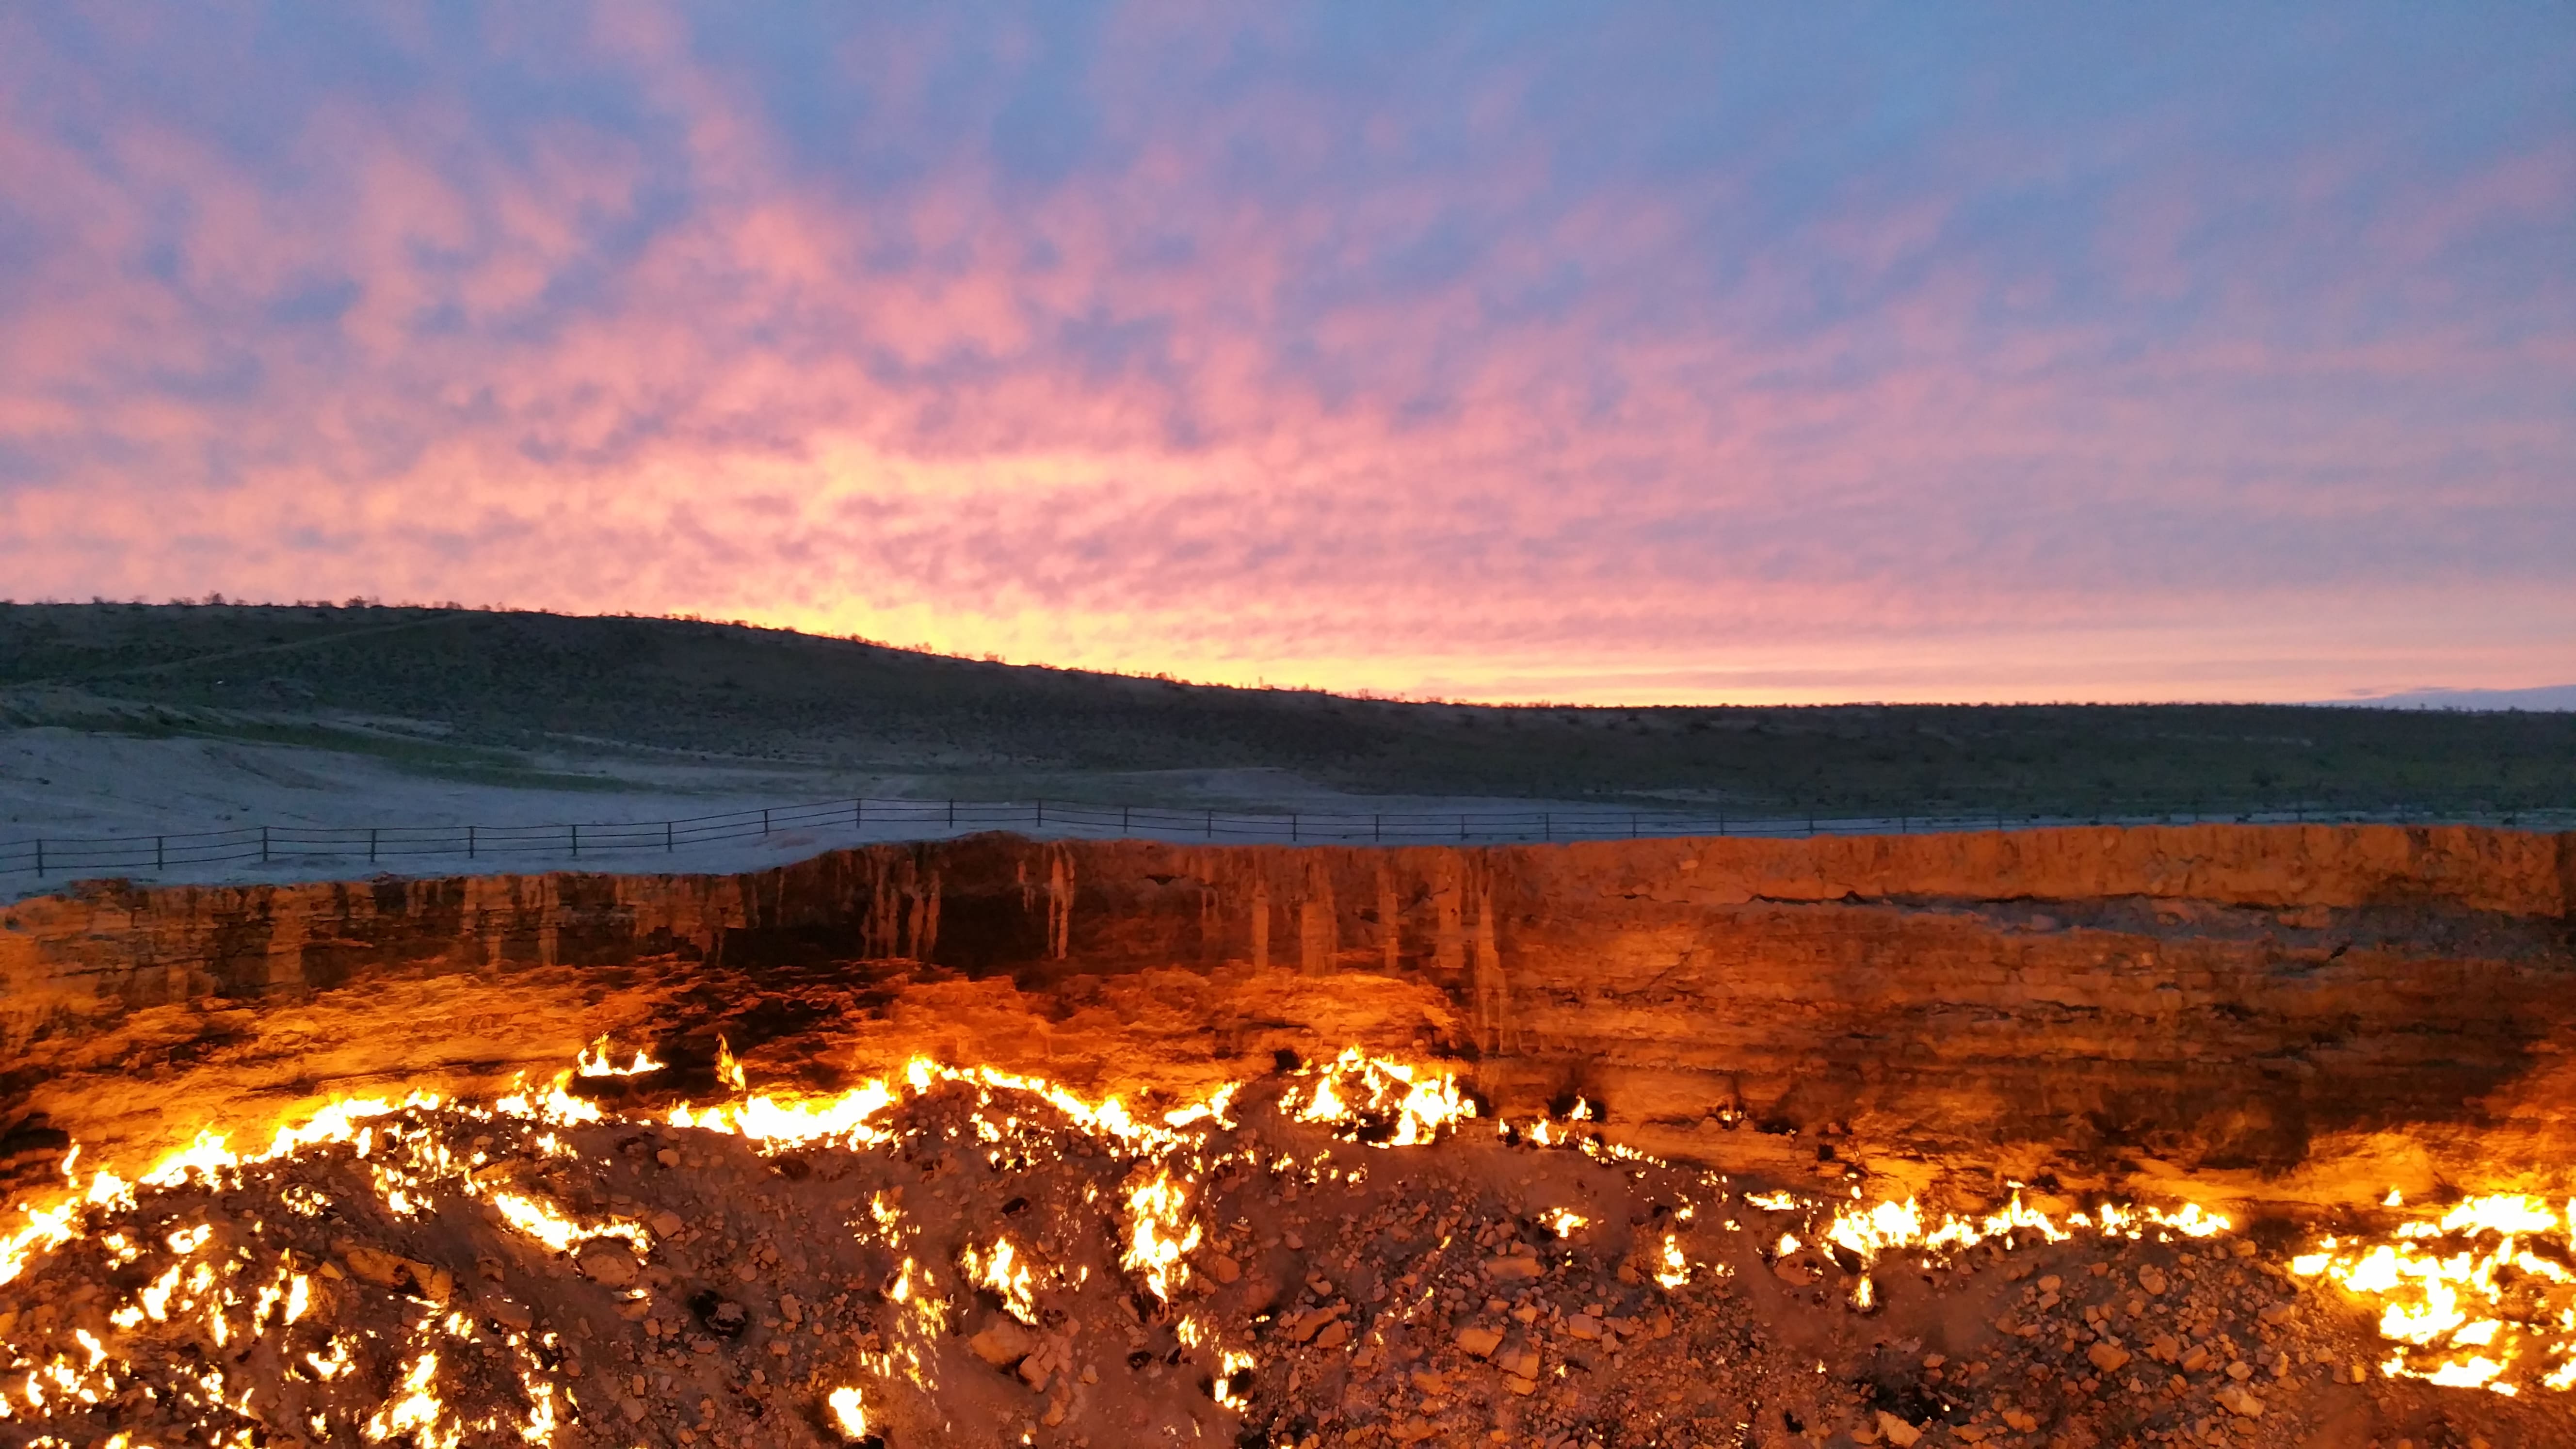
914,818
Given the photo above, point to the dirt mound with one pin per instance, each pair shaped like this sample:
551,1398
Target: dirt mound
1343,1255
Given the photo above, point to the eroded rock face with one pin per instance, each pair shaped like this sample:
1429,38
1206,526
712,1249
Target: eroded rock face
2303,1015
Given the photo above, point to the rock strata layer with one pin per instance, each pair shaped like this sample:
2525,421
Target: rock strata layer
2281,1017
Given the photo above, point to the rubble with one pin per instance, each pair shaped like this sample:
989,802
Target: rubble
975,1260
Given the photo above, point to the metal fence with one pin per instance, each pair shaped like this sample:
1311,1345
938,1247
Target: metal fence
378,845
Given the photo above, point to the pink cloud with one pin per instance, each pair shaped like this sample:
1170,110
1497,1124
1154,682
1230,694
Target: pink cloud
1490,426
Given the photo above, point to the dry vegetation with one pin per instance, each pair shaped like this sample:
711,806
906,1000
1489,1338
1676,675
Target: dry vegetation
476,691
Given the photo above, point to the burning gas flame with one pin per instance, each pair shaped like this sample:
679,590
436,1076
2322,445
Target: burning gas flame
1230,1363
849,1412
2468,1280
1393,1103
1003,1270
1157,1238
595,1061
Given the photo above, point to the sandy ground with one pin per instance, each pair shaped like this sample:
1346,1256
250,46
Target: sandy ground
971,1263
68,786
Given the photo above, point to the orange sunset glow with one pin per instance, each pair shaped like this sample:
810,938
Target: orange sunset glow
1657,355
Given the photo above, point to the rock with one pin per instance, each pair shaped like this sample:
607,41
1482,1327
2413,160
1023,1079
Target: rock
668,1157
2275,1314
2051,1283
508,1312
665,1223
2240,1371
2165,1348
2153,1280
1428,1383
1793,1273
1222,1268
1582,1325
1003,1342
1478,1341
1300,1327
403,1275
2107,1357
1335,1334
2196,1360
1524,1362
1520,1384
1512,1266
2020,1421
608,1262
2240,1403
1896,1431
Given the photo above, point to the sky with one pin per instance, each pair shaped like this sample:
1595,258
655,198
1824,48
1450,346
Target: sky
1614,353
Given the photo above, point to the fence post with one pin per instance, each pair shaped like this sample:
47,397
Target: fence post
1721,817
1462,827
40,857
1547,826
1377,828
1211,825
859,814
159,860
576,842
1041,816
469,842
1124,811
764,822
952,814
669,843
371,843
263,845
1632,825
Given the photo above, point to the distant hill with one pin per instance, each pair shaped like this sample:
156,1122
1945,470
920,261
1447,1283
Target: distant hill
2548,697
454,688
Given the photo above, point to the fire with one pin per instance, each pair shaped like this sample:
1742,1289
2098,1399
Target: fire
849,1412
1158,1239
1888,1226
595,1061
1387,1103
2480,1296
1006,1272
1230,1363
1675,1270
2469,1280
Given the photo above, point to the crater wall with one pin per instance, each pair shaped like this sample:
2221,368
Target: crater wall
2287,1017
